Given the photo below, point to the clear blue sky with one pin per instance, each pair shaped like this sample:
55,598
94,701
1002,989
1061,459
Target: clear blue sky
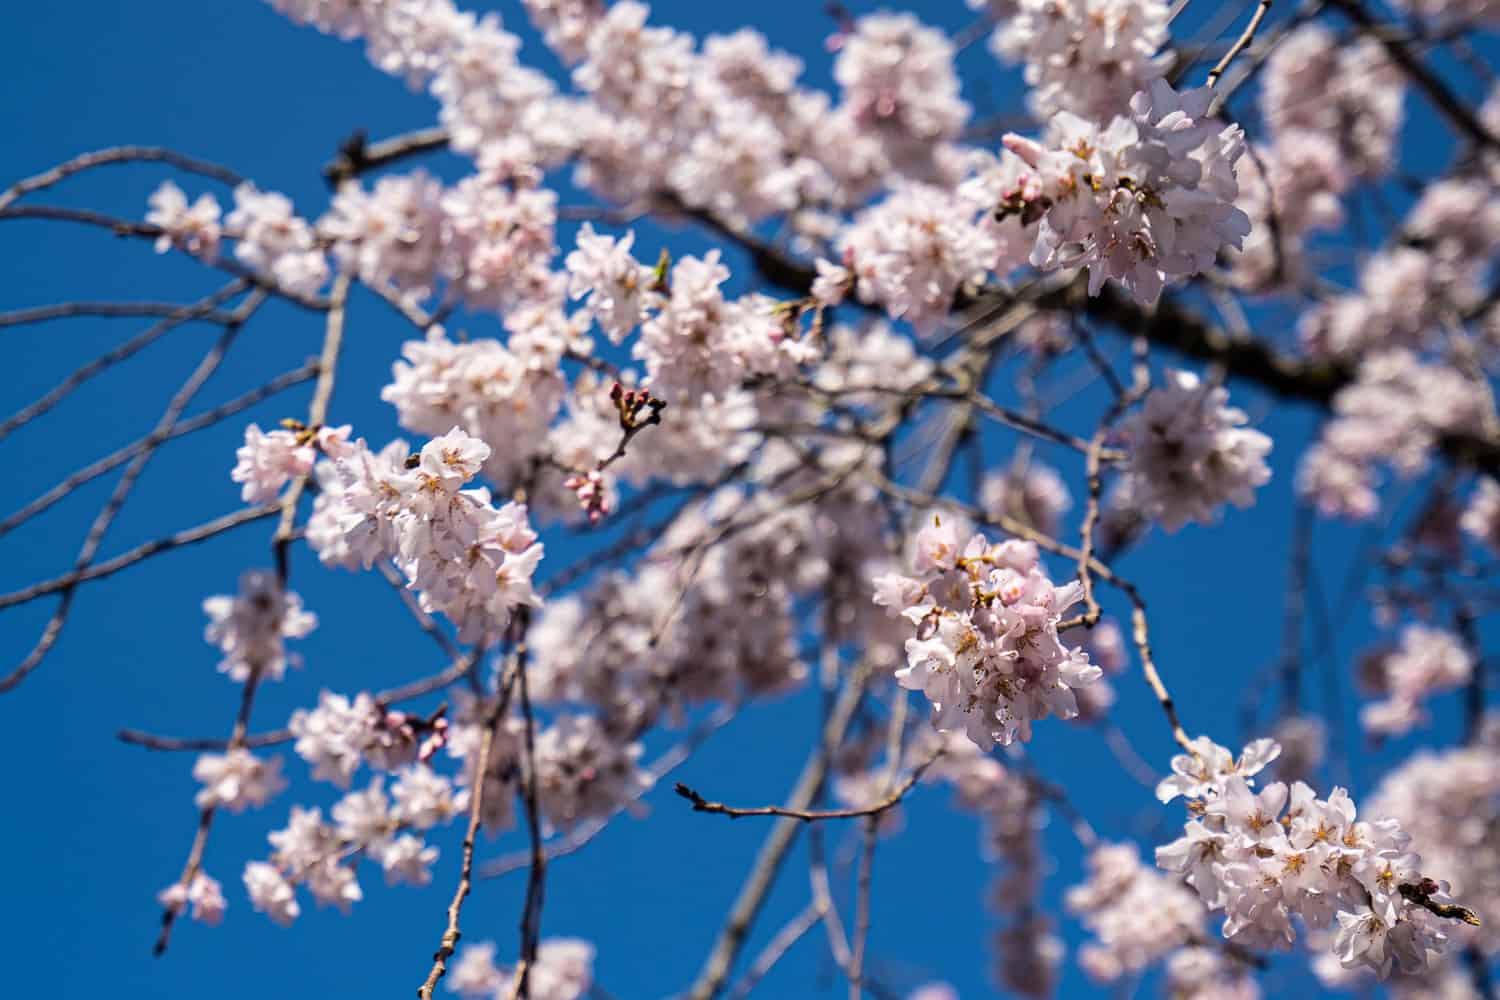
94,828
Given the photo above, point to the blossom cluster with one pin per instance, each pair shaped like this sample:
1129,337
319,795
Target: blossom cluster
1033,494
1011,809
267,461
1264,857
1085,56
504,395
1449,801
1135,914
269,237
986,651
563,970
667,635
466,558
250,628
1427,661
1189,452
1393,413
386,829
1315,150
1144,197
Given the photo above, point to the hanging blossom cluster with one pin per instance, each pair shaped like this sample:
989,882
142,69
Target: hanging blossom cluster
1359,102
1085,56
1411,293
237,780
1427,661
1135,914
1315,151
502,394
269,237
272,240
1034,494
915,250
1264,857
986,651
1449,801
725,126
341,733
203,893
269,460
466,558
564,970
1188,452
1145,198
322,856
191,227
492,242
1012,811
666,636
1393,413
251,627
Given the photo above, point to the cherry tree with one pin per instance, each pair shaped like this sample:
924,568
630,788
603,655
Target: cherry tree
772,466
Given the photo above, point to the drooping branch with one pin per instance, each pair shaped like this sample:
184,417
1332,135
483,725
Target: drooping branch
184,314
711,980
118,155
700,804
93,470
123,489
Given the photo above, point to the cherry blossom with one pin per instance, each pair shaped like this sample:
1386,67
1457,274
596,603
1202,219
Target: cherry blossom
1189,452
1262,857
193,227
986,650
250,628
1142,198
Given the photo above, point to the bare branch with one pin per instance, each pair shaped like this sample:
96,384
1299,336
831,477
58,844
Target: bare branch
115,155
106,516
1240,44
356,155
67,581
1449,106
61,391
68,310
700,804
117,458
711,980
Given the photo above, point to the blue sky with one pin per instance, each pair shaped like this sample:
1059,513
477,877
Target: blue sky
96,828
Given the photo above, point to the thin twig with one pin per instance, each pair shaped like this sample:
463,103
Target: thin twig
700,804
776,949
317,414
119,457
118,154
773,851
194,863
59,392
123,488
536,876
110,310
451,933
1246,37
393,696
68,581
